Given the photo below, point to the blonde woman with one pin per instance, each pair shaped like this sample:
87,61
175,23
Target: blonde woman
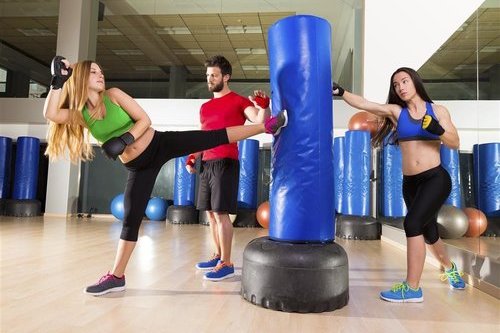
78,103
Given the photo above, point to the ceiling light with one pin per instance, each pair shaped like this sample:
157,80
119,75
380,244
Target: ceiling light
108,32
250,51
147,68
189,51
172,31
492,49
243,29
255,68
36,32
129,52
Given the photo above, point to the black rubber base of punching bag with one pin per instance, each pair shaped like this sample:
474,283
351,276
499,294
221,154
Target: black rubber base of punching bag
182,214
246,218
23,208
295,277
357,227
2,206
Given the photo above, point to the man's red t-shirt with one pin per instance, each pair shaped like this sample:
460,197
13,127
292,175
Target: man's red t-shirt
222,112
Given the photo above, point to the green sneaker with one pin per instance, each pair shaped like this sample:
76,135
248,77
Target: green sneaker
454,277
402,293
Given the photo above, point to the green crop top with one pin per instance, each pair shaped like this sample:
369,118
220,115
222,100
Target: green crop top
115,122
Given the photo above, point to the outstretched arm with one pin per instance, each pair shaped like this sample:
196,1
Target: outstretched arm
390,111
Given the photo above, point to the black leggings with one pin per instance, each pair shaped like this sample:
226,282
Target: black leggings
424,194
144,169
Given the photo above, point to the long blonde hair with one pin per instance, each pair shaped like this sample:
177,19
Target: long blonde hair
74,134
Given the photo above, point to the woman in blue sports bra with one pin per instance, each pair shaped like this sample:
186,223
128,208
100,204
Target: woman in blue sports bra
78,103
419,127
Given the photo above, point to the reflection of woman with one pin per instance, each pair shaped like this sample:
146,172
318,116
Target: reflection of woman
420,127
115,119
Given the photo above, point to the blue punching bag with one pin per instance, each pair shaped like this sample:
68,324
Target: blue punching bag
302,187
184,184
356,197
393,204
26,174
249,168
338,170
450,161
488,184
5,161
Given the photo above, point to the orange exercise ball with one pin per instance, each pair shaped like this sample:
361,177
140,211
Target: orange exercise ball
364,121
477,222
263,215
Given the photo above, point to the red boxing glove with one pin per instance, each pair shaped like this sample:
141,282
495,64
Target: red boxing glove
191,160
262,102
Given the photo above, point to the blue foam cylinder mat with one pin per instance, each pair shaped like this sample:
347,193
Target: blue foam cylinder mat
249,169
488,178
26,173
5,162
356,195
393,204
302,189
338,171
450,161
184,184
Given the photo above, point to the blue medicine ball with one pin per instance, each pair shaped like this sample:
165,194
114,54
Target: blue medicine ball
117,207
157,209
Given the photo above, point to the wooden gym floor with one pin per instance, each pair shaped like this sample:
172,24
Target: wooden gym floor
46,262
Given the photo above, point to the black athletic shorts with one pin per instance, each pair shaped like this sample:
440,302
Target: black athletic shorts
218,189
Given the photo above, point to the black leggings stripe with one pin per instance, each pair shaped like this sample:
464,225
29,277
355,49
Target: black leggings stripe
143,170
424,194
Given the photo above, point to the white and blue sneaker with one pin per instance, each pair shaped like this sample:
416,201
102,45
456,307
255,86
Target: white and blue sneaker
209,264
402,293
220,272
454,277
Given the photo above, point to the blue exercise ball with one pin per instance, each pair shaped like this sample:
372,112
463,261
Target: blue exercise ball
117,208
156,209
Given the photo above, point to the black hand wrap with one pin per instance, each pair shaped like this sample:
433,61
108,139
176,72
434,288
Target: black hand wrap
114,147
431,125
340,92
56,68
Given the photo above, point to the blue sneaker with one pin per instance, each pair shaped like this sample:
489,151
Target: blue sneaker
209,264
402,293
220,272
454,277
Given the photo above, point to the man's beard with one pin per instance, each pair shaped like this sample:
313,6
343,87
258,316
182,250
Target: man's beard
217,87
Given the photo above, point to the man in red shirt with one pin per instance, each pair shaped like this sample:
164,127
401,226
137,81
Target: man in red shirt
218,189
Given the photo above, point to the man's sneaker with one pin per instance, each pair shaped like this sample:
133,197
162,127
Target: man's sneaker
209,264
274,125
454,277
402,293
220,272
107,284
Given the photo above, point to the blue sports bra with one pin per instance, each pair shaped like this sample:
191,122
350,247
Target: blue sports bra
411,129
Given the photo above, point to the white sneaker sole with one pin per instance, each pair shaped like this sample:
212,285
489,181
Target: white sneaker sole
409,300
204,268
112,290
219,279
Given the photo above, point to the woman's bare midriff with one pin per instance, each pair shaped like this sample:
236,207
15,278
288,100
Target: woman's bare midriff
420,156
139,145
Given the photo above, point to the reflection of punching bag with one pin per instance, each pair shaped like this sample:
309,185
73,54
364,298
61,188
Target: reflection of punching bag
24,192
5,161
450,161
183,210
338,171
247,189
